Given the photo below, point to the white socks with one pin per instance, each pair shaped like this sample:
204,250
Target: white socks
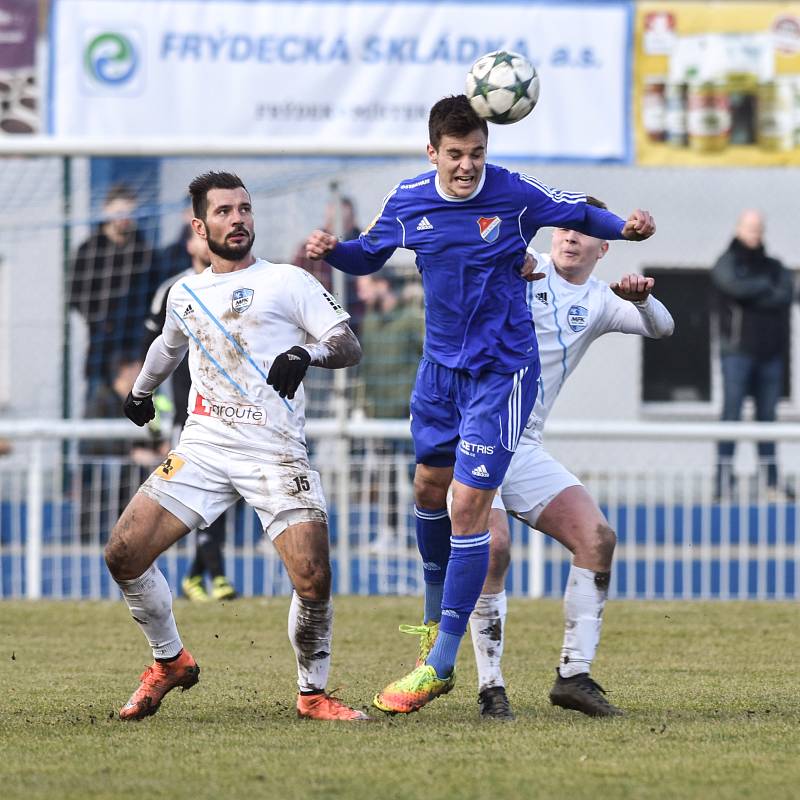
584,600
487,626
310,632
150,602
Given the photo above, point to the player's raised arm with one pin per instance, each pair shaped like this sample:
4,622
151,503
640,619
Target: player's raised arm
319,244
642,314
635,288
639,226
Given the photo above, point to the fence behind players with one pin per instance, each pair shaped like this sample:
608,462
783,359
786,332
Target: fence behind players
675,539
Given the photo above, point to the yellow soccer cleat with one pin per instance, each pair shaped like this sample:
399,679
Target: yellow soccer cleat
413,691
194,589
222,589
427,633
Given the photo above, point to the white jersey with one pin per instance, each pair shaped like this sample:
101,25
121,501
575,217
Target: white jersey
235,324
568,318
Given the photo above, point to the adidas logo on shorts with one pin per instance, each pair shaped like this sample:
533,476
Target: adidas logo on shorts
480,472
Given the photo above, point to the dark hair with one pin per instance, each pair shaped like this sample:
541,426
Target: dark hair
453,116
593,201
120,191
202,184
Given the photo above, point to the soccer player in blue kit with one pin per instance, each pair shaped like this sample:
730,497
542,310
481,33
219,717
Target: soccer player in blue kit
469,224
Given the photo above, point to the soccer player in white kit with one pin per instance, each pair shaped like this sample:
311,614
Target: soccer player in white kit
252,329
571,308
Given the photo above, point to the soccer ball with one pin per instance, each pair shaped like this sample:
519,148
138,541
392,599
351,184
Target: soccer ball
502,87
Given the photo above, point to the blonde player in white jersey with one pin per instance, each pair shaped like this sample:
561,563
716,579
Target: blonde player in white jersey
571,308
252,328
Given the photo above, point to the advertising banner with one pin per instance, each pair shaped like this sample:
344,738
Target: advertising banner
717,83
19,90
335,72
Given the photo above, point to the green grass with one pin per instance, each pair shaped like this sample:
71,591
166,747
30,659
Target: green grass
710,690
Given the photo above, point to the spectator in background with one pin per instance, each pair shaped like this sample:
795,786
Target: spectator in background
208,555
754,293
344,220
392,333
113,469
111,281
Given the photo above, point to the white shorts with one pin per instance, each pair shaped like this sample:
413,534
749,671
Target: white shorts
533,480
198,482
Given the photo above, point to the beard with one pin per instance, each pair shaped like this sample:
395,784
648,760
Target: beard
231,252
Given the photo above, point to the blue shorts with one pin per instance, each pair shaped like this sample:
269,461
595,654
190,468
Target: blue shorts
472,422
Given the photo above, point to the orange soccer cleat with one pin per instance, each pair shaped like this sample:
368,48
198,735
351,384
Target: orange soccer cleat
158,679
325,706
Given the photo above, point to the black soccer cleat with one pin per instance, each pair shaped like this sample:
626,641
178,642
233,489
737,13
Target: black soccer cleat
494,704
581,693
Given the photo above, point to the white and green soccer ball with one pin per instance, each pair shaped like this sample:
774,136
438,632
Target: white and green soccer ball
502,87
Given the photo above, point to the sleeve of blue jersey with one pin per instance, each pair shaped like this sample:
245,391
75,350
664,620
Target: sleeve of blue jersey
350,257
601,224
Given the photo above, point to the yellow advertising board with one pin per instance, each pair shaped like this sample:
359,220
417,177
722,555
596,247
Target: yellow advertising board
717,83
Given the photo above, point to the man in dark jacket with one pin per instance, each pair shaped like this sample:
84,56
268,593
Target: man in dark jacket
754,293
109,285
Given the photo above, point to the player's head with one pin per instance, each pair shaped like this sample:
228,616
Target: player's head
457,139
575,252
223,214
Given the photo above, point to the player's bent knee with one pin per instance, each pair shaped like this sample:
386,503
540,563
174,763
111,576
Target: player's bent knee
118,558
605,543
428,493
313,580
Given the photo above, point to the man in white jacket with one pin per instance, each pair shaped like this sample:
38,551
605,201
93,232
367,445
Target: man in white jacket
571,308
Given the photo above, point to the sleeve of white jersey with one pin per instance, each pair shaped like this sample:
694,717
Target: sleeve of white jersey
312,307
165,353
648,318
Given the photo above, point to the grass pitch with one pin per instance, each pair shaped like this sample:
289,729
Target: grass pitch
710,690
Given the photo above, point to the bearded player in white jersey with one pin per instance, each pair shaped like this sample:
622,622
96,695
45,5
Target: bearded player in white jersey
571,308
252,329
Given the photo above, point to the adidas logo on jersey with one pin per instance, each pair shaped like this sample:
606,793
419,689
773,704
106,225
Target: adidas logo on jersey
542,297
424,225
188,311
480,472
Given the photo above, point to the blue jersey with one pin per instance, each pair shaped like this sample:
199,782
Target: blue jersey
469,252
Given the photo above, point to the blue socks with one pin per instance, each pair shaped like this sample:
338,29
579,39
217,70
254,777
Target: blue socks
466,573
433,542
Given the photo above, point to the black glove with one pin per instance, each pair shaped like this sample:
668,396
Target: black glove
287,370
140,411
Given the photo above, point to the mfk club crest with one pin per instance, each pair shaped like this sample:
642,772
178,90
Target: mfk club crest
578,318
489,228
242,300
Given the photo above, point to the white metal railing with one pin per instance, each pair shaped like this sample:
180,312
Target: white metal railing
674,539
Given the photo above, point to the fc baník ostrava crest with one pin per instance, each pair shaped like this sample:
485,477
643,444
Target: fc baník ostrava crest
489,228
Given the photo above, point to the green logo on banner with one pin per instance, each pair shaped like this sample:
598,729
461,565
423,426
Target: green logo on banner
110,58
